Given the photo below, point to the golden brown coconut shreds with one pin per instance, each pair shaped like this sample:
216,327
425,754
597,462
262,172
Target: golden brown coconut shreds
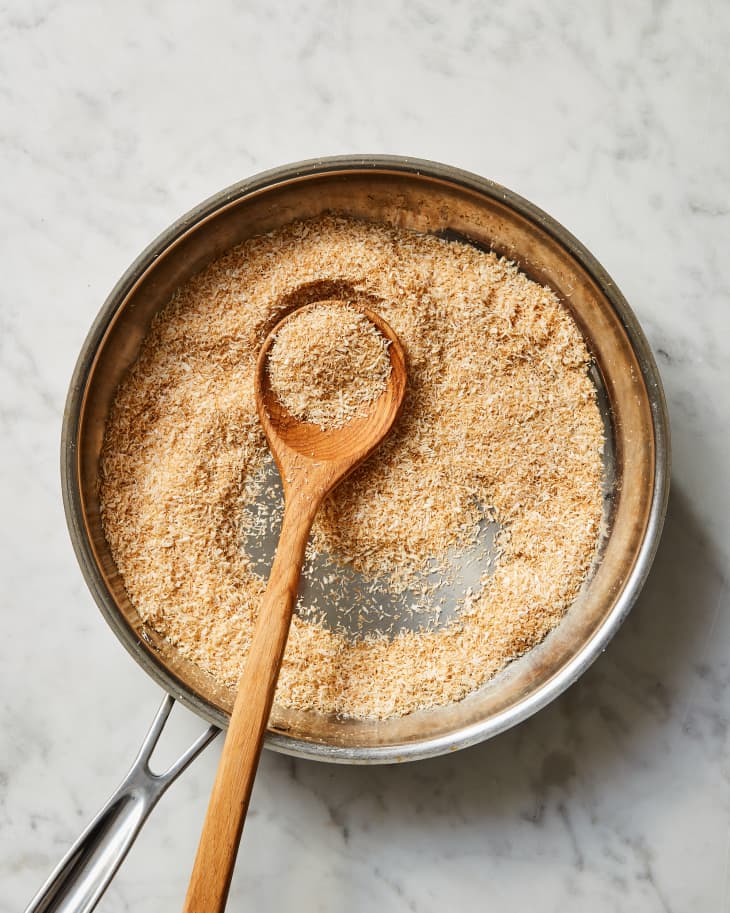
327,364
500,414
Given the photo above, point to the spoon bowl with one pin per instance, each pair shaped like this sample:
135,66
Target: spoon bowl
295,443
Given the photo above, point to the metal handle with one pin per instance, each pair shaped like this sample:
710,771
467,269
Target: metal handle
79,880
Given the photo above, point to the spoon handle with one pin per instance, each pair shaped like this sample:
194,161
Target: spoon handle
216,856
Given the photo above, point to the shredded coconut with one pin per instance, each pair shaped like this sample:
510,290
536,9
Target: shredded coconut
500,421
327,364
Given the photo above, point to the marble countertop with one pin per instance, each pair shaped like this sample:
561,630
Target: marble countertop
114,120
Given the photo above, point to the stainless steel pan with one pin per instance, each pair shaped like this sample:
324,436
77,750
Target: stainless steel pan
432,198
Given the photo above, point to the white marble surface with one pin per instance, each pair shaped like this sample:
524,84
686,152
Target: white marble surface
115,119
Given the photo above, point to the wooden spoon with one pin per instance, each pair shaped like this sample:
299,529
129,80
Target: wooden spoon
311,463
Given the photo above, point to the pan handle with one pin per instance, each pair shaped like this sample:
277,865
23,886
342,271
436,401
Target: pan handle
79,880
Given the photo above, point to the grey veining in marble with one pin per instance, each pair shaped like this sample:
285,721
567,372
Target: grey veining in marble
615,118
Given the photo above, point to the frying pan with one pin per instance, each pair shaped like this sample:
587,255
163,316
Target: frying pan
427,197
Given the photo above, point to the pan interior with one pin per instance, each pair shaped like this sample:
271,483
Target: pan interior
416,200
352,604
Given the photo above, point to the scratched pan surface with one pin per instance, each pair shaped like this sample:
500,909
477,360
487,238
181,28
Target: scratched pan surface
432,198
